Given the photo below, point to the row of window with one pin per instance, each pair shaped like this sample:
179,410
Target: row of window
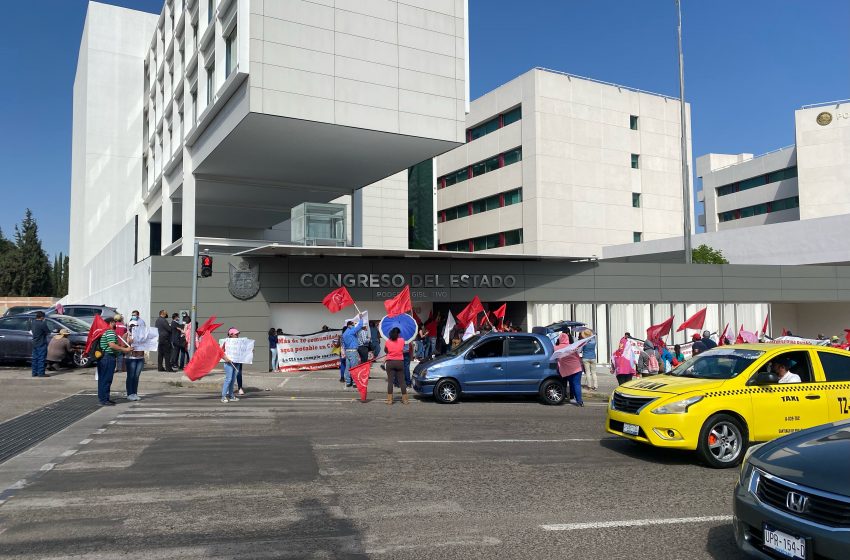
481,205
480,168
494,124
758,209
753,182
492,241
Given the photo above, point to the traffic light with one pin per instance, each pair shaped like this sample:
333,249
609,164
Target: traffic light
206,266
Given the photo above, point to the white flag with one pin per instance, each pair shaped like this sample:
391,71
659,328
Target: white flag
469,332
569,349
447,332
356,318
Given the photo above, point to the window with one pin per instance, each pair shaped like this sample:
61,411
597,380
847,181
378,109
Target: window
635,200
494,124
484,242
194,107
637,236
488,349
480,168
512,116
836,367
195,35
633,122
210,84
15,324
635,161
513,197
758,181
513,237
231,51
523,346
782,174
513,156
481,205
210,10
758,209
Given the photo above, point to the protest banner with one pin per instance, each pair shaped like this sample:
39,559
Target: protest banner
239,350
307,352
145,339
797,340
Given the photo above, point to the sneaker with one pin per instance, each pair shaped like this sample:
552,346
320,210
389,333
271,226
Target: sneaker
240,392
107,403
224,399
133,398
573,401
234,399
349,385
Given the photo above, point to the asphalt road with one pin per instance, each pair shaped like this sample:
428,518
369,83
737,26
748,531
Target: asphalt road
300,469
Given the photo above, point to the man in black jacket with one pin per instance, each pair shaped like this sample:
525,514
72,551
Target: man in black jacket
163,348
40,335
176,340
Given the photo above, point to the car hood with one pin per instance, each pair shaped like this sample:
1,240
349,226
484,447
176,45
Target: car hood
672,384
427,364
816,457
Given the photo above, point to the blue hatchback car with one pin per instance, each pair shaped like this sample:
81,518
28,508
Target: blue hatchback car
494,363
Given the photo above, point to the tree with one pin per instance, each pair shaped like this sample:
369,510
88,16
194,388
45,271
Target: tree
8,266
33,270
707,255
66,267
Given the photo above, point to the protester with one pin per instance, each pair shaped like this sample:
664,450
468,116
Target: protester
647,363
375,339
409,350
432,326
232,373
135,321
110,348
394,348
135,362
59,350
336,348
678,356
624,359
185,337
163,348
176,341
422,342
707,340
698,346
272,350
121,333
364,340
349,347
40,334
588,359
570,368
666,359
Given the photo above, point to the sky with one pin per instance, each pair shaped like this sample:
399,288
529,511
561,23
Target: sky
748,65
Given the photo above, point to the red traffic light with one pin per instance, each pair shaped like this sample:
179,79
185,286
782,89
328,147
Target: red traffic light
206,266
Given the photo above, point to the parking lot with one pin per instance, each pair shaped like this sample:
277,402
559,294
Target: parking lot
298,468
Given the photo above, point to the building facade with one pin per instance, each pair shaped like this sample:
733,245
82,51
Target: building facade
215,118
789,206
556,164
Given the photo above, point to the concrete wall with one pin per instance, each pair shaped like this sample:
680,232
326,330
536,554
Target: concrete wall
394,66
810,319
106,139
824,161
379,214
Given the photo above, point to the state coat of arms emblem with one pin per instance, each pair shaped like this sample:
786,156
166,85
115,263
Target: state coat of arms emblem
244,280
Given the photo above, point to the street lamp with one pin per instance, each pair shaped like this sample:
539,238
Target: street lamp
686,183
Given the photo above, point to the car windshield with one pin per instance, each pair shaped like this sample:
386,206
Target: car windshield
718,363
464,345
71,323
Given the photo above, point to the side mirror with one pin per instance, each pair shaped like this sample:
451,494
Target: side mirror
765,378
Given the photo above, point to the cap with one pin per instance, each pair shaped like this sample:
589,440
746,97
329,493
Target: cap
232,330
64,332
834,338
119,317
696,336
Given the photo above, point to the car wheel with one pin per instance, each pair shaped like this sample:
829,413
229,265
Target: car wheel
552,392
80,359
447,391
722,441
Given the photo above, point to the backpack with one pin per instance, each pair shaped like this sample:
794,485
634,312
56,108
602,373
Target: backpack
95,353
652,362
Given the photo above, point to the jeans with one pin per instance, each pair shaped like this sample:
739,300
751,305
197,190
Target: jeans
238,376
574,382
352,358
134,370
342,368
39,357
407,369
163,355
432,346
230,374
105,371
273,359
179,356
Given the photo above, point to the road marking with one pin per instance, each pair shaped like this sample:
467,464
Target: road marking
86,441
569,440
284,382
47,466
635,523
68,453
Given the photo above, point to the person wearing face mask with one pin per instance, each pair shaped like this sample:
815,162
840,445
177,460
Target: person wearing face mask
135,321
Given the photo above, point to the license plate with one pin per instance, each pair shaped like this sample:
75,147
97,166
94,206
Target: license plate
785,544
631,429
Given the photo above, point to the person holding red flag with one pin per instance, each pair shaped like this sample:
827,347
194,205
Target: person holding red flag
110,348
349,346
399,304
470,313
394,348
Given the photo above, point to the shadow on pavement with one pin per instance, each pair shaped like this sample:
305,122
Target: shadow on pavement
720,544
647,453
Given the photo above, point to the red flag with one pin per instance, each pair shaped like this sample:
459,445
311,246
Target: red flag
470,312
500,311
360,375
399,304
722,340
207,355
696,321
98,327
655,332
764,327
338,300
208,326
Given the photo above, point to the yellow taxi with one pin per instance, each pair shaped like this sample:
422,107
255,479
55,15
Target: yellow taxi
719,402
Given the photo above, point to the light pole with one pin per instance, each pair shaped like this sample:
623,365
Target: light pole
193,314
686,183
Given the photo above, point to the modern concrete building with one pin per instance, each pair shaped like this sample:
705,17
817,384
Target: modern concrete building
556,164
789,206
215,118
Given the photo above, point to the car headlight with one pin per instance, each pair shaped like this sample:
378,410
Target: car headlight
678,407
749,475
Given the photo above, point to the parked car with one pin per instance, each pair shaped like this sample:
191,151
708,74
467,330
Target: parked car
792,499
18,309
82,312
720,401
16,337
493,363
554,330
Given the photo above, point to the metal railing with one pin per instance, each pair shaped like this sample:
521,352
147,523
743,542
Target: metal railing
620,86
825,103
754,157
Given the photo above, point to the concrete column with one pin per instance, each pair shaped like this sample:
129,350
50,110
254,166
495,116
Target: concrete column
167,213
357,218
188,205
